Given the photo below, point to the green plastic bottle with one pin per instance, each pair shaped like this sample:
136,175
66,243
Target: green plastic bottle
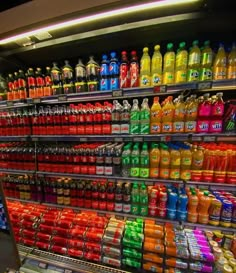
135,161
194,62
145,117
125,159
135,199
135,118
143,193
144,161
145,69
206,62
181,64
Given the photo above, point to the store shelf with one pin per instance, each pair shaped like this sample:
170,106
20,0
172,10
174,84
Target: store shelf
13,171
22,200
14,104
212,186
14,138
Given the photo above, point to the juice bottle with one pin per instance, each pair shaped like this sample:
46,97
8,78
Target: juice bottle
203,207
156,68
197,163
186,161
169,65
206,62
154,161
145,69
192,207
156,113
220,64
191,110
164,162
194,62
231,67
135,118
135,161
214,212
145,117
217,111
181,64
174,162
208,165
144,161
179,115
168,115
221,164
204,111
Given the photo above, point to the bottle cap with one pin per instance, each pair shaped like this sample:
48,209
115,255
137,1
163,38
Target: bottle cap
157,47
170,46
145,50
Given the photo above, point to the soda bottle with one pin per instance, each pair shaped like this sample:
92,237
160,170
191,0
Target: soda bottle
179,115
156,114
197,163
192,207
104,74
109,151
186,162
156,67
217,112
204,111
171,205
164,162
125,118
67,78
16,94
145,117
135,199
102,196
191,111
203,207
127,198
10,84
182,205
114,71
206,62
135,161
124,71
134,70
194,62
231,67
143,193
117,159
145,69
118,198
56,80
47,90
181,63
110,196
174,162
116,115
220,64
135,118
31,82
167,115
154,161
39,82
169,65
80,77
22,85
92,74
126,160
88,195
144,161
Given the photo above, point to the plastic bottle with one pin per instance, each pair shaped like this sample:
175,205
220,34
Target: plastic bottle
67,78
186,161
56,79
193,202
116,114
156,67
203,207
182,206
145,69
194,62
214,212
134,70
204,111
169,65
231,67
124,71
135,199
126,160
181,64
197,163
80,77
154,161
92,73
191,111
145,117
164,162
156,113
171,205
220,64
135,161
206,62
167,115
174,162
104,74
143,193
144,161
179,115
125,118
135,118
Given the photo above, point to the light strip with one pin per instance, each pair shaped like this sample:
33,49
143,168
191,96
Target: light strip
102,15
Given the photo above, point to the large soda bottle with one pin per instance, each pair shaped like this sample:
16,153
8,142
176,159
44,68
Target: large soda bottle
186,162
156,67
156,113
92,73
127,198
16,94
117,158
191,112
125,118
124,71
135,200
118,198
135,118
217,111
231,67
169,65
197,163
80,77
47,91
116,115
206,62
22,85
104,74
39,82
154,161
110,196
126,160
31,82
220,64
95,194
134,70
67,78
181,64
204,111
179,115
56,79
144,161
145,117
10,84
164,162
145,69
143,195
168,115
135,161
174,162
114,71
194,62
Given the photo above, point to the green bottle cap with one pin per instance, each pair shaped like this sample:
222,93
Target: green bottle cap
207,43
145,146
154,145
195,43
170,46
182,45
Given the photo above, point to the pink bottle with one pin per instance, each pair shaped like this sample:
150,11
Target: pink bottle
204,111
217,111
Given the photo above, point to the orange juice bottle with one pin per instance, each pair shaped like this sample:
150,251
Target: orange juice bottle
154,161
179,115
203,207
186,162
164,162
231,68
192,207
156,113
174,162
197,163
168,115
220,64
191,110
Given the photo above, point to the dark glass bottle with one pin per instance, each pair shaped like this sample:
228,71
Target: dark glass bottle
56,79
68,78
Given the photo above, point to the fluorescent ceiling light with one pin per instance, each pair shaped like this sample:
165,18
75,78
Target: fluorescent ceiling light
102,15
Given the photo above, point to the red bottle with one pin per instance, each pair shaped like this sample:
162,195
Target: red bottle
124,71
134,70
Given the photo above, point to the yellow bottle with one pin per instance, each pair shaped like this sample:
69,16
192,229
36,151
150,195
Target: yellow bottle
231,69
156,67
167,116
181,64
194,60
206,62
169,65
174,162
179,115
191,108
164,162
154,161
219,66
186,162
145,69
156,113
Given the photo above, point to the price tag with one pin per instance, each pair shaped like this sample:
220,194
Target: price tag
118,139
119,217
35,139
9,103
160,89
62,98
36,100
209,138
188,227
204,85
203,187
83,139
42,265
138,139
226,232
117,93
130,218
165,138
68,271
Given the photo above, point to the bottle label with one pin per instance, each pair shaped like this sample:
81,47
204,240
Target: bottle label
219,73
115,129
155,127
108,170
168,77
104,84
99,169
144,210
134,73
144,172
156,79
178,127
145,81
134,172
231,73
180,76
135,209
164,173
127,208
134,128
144,128
185,175
206,74
216,126
114,83
154,172
192,75
203,126
167,127
190,126
174,173
118,207
124,128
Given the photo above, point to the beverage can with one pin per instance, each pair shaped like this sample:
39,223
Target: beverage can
111,261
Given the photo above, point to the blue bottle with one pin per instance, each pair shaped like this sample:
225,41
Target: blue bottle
104,74
182,206
171,205
114,72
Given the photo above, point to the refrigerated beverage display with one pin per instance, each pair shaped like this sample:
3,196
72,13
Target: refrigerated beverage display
144,161
135,161
179,115
181,64
206,62
194,62
134,70
155,116
80,77
220,64
47,90
156,66
231,65
135,118
56,80
68,78
154,161
92,74
168,110
145,117
114,71
104,74
169,65
124,80
145,69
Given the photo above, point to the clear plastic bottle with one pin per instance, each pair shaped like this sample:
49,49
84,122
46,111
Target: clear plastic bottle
144,161
156,113
135,161
194,62
126,160
231,68
206,62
